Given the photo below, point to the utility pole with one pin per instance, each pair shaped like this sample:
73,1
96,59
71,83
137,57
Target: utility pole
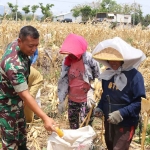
134,14
16,10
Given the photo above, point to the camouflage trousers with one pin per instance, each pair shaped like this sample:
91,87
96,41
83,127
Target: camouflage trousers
76,113
13,129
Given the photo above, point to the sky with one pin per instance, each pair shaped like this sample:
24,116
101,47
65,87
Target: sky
64,6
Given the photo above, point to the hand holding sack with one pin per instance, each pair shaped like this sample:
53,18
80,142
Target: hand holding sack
90,98
98,112
115,117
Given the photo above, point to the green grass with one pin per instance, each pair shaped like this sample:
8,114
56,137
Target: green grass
147,140
0,144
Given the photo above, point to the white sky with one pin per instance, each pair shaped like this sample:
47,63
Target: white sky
63,6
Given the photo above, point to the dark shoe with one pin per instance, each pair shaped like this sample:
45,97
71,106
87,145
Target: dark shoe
23,147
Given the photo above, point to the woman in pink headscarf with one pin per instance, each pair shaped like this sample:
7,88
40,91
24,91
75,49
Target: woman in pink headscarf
78,70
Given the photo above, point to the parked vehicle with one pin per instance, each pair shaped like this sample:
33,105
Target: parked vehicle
113,17
66,20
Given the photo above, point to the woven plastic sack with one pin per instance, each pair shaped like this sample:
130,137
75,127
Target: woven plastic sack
79,139
38,95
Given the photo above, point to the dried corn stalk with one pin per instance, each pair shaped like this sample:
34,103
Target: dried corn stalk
145,110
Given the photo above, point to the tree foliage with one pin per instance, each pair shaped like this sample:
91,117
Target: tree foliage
146,20
109,6
94,12
33,9
12,7
46,10
13,15
85,12
76,11
19,15
26,9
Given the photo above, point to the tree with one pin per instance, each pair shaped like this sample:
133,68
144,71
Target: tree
135,19
33,9
13,15
13,8
29,17
85,12
76,11
137,14
146,20
109,6
46,10
19,15
94,12
135,10
26,10
126,9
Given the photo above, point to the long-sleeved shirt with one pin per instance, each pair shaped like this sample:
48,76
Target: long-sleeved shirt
92,71
127,101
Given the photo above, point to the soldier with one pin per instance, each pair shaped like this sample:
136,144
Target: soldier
14,72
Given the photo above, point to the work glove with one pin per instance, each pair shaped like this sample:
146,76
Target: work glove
61,107
115,117
90,99
98,112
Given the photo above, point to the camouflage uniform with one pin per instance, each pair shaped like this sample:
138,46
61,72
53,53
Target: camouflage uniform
14,71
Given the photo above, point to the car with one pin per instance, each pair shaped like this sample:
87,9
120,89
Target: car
66,20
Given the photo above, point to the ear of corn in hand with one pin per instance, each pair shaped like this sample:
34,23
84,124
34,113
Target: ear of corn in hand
59,132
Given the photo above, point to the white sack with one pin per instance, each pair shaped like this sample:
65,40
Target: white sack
38,98
79,139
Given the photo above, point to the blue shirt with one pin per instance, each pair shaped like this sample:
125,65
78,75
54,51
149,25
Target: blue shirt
34,57
128,100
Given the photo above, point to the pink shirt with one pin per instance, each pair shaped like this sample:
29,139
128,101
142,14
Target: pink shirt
78,88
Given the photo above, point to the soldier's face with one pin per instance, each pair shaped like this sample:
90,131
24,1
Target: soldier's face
115,64
28,45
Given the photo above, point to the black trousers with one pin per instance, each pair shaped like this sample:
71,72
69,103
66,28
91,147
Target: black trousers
118,138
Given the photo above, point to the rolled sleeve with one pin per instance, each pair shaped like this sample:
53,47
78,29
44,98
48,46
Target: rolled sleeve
21,87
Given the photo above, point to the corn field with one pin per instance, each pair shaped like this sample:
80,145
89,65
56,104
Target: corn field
49,63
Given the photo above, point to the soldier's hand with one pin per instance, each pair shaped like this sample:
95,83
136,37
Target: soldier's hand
49,124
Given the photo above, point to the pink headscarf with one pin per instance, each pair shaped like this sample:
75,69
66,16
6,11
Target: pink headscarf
74,44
